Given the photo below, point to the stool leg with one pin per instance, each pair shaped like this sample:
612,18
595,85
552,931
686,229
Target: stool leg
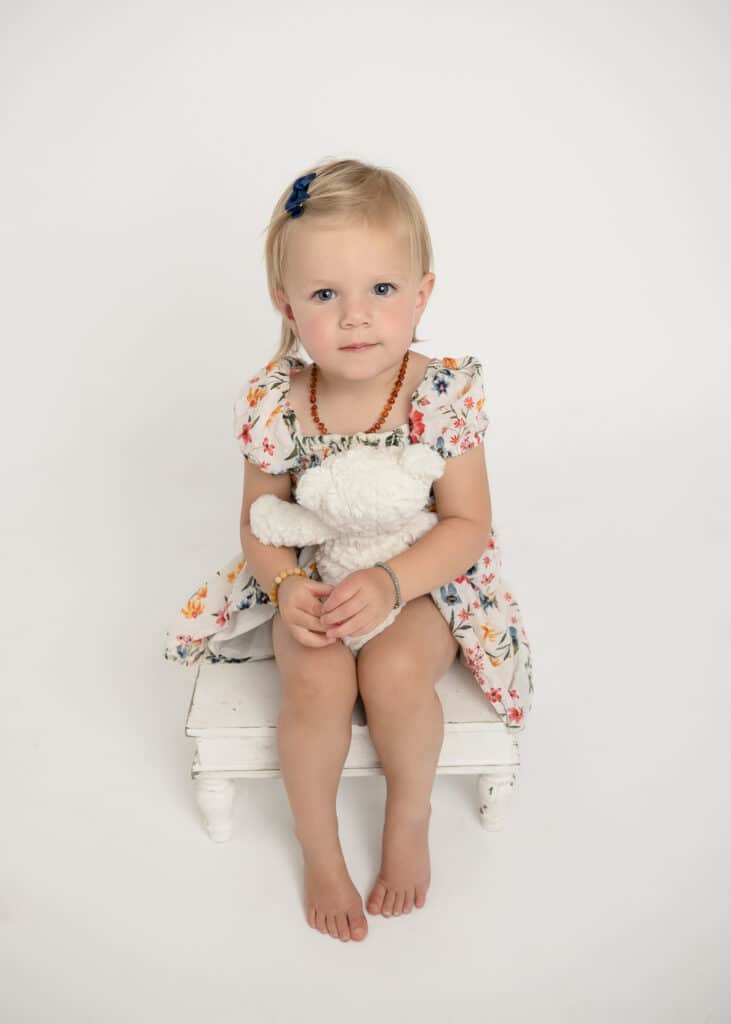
216,798
495,790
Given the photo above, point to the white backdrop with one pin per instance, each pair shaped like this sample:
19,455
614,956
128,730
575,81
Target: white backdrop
573,164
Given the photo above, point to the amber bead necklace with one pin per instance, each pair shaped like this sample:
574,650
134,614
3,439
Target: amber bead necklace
386,409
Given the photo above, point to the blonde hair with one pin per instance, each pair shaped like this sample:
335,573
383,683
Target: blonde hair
346,189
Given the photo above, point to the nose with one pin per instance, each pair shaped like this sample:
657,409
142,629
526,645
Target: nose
355,315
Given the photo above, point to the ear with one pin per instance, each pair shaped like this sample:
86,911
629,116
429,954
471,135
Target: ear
283,306
311,488
425,290
422,462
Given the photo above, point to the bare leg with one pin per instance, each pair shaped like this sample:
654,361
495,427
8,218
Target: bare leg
313,740
408,743
314,728
397,672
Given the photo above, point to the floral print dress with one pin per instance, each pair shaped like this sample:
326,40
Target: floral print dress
228,617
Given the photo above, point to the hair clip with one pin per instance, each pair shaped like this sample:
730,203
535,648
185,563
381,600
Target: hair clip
299,194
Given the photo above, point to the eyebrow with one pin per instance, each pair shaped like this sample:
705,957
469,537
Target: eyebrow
330,280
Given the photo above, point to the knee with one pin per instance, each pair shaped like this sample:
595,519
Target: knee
313,678
395,681
313,691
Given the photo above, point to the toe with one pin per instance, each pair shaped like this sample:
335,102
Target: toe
341,920
408,901
320,921
398,903
332,926
358,926
420,896
375,900
387,908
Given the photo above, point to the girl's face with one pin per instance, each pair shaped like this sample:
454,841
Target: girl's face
350,283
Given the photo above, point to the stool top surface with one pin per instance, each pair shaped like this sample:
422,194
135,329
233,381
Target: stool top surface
247,695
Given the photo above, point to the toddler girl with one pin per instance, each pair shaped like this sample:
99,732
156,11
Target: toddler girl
348,254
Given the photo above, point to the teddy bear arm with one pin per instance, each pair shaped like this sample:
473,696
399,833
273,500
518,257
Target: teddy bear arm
285,523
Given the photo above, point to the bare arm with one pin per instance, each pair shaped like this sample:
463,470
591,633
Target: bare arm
264,560
462,496
441,555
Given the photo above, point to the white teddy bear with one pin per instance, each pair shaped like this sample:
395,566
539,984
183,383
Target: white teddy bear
360,506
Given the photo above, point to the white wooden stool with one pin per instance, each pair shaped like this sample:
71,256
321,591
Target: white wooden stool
233,714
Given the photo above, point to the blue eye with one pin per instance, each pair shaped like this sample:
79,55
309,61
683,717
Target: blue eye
380,284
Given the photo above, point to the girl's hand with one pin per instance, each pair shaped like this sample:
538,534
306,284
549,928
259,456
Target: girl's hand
358,603
299,607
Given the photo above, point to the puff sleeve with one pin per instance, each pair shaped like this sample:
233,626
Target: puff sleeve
450,414
259,425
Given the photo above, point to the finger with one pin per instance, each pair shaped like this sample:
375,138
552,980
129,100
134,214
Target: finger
310,639
320,640
351,627
321,588
311,622
340,631
337,613
331,603
342,614
333,610
309,610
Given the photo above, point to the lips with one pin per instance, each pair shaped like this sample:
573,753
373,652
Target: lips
355,348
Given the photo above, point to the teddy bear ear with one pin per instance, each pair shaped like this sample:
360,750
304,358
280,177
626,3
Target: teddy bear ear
422,461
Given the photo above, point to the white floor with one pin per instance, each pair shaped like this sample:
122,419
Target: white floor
601,901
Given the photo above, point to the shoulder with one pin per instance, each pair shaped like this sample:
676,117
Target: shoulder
261,423
448,412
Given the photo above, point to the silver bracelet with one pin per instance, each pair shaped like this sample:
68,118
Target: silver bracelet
394,580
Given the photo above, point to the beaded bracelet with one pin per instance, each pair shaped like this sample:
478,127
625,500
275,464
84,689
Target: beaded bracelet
273,595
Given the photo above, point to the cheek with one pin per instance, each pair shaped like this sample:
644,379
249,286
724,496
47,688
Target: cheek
315,321
397,317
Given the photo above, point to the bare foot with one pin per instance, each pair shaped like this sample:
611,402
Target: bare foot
333,904
405,870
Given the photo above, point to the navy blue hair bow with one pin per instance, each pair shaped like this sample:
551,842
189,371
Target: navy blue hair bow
299,194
